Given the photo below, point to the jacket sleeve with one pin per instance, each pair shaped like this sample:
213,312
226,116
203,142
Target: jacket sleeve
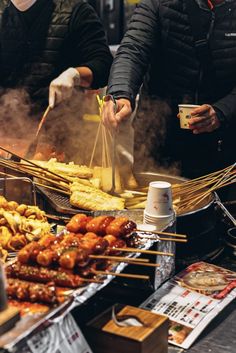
90,44
133,56
226,108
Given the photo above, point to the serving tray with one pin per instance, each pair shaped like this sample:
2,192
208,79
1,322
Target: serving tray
30,324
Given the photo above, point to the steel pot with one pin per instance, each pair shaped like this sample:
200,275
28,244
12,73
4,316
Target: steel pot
200,225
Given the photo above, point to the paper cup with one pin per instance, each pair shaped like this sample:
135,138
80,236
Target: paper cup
184,112
158,221
159,199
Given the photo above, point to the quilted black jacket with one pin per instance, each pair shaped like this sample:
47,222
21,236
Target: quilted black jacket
65,33
159,45
159,50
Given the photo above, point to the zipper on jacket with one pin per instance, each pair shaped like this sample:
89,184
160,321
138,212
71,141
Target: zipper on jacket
200,72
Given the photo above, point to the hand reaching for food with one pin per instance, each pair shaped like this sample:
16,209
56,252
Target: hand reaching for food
115,111
62,87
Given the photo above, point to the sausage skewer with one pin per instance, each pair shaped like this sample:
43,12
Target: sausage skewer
101,225
44,275
34,292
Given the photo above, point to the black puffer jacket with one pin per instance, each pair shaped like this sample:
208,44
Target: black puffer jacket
64,33
159,49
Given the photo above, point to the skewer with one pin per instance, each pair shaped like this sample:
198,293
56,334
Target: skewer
218,184
166,239
45,186
164,233
34,173
57,218
142,251
118,258
91,280
131,261
125,275
190,192
52,188
203,177
34,164
111,257
31,150
42,121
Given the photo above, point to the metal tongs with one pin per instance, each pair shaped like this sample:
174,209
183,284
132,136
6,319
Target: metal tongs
112,191
34,144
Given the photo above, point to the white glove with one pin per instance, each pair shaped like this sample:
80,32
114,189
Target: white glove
23,5
62,87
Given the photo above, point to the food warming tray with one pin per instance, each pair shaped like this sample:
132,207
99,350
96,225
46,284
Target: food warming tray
30,324
61,203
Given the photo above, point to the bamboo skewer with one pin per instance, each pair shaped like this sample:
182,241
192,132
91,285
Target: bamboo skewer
34,164
91,280
129,260
174,239
42,121
125,275
57,218
190,193
176,235
31,150
196,180
218,184
18,168
52,188
120,258
188,201
142,251
37,176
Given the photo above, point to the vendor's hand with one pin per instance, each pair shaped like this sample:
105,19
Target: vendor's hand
114,112
204,119
62,87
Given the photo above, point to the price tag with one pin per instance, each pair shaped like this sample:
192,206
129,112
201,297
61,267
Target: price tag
60,338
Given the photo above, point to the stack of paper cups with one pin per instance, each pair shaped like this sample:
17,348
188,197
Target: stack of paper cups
159,208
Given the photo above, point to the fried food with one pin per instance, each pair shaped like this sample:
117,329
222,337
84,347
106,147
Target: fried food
3,254
5,236
70,169
44,275
89,198
30,291
20,224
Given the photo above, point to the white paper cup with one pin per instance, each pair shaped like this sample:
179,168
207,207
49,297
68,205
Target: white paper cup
158,221
184,113
159,199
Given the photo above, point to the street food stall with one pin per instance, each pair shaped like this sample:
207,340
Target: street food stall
96,257
74,252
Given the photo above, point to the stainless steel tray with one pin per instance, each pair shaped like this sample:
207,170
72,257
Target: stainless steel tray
30,324
61,204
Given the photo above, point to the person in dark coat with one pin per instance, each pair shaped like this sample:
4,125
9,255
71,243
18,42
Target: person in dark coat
179,51
52,52
52,45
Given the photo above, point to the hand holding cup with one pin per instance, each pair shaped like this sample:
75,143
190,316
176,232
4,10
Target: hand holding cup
198,118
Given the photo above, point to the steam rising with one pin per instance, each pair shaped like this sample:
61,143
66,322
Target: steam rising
15,114
66,131
150,125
